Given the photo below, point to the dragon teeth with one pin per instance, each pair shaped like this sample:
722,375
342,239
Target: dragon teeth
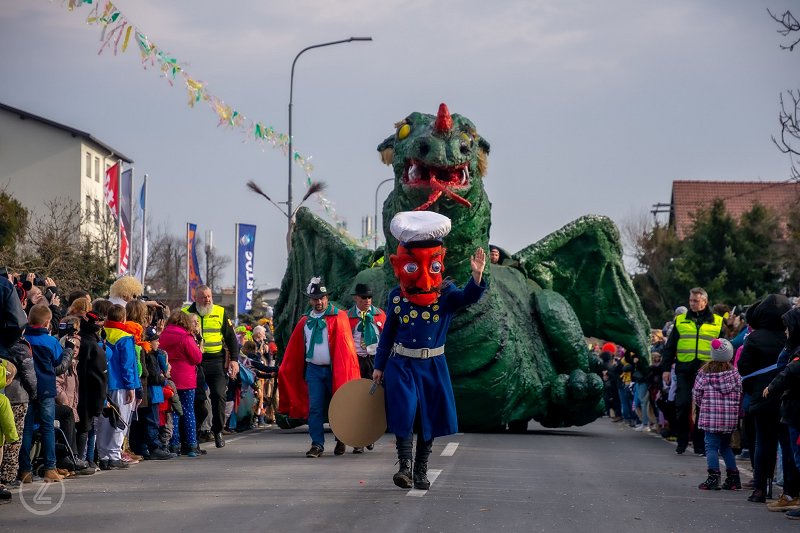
414,173
464,176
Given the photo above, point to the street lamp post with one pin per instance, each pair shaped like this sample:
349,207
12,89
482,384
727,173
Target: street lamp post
291,95
376,208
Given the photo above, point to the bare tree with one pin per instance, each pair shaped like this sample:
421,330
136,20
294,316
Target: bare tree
788,142
215,264
166,265
58,246
635,227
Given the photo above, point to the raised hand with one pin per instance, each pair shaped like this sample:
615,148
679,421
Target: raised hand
478,263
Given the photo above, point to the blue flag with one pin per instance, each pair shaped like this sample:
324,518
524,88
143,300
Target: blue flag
245,243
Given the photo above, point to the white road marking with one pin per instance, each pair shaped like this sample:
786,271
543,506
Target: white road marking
234,439
450,449
432,475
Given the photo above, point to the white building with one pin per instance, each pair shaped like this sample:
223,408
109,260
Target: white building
42,160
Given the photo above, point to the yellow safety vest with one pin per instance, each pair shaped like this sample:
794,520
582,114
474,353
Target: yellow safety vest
211,326
694,343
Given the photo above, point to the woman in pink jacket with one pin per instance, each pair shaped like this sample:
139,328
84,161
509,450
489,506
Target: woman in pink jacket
184,355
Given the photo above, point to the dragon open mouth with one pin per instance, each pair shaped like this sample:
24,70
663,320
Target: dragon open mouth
440,180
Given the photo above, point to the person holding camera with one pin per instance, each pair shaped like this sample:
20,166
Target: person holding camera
44,291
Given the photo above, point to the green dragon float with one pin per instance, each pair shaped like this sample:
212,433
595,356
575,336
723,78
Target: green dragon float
519,353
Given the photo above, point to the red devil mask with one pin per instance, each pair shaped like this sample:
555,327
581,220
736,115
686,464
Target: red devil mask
419,270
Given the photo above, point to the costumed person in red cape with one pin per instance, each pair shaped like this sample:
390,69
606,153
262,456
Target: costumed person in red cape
410,358
366,323
320,357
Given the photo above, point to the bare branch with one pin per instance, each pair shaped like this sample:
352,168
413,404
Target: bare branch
789,25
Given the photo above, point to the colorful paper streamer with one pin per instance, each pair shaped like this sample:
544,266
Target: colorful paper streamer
115,24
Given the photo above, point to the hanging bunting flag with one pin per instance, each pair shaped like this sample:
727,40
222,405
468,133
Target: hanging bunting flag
117,28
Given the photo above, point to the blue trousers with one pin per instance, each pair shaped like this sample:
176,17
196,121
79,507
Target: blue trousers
626,402
642,401
719,444
320,390
185,424
42,411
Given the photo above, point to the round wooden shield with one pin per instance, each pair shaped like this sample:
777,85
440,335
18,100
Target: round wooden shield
357,417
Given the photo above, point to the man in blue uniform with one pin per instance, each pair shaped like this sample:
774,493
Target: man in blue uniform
410,357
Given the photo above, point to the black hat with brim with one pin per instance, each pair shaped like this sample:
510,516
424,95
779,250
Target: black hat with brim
316,288
363,290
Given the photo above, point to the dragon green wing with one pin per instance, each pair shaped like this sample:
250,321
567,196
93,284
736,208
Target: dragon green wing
318,249
583,262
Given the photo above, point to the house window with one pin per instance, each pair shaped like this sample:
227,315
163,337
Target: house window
97,211
88,165
97,169
88,207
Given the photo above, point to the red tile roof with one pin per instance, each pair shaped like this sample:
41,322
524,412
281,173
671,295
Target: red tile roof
739,197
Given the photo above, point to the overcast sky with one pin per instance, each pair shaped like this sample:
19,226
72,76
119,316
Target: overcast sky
590,107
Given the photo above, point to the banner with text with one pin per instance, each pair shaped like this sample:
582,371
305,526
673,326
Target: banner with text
245,242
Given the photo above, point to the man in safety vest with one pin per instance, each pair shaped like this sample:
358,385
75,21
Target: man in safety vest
689,347
220,353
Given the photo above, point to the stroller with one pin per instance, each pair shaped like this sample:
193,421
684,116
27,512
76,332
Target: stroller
65,455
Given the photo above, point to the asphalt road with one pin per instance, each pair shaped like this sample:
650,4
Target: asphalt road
602,477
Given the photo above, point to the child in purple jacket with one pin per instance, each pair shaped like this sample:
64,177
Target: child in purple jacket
718,393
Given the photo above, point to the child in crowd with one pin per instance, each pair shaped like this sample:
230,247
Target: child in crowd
8,429
67,386
184,357
123,380
19,392
49,360
156,378
93,384
718,393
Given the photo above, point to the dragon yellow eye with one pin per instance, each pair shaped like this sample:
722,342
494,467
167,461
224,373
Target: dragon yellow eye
403,132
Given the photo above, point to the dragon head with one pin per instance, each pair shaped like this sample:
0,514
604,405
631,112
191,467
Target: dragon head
437,158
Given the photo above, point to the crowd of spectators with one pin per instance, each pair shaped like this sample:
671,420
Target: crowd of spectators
101,384
745,392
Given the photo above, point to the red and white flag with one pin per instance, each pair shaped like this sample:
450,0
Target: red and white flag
124,250
111,188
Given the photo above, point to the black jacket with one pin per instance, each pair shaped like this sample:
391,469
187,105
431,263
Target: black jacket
23,388
92,374
12,316
787,385
762,347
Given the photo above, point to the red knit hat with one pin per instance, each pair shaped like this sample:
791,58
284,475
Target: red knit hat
610,347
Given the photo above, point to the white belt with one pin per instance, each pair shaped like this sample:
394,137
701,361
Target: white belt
418,353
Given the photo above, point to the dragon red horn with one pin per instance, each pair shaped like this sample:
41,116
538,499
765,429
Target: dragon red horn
444,122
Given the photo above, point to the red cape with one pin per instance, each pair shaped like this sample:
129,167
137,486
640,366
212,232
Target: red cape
292,386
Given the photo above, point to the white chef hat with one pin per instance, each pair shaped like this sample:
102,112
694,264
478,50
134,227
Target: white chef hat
411,227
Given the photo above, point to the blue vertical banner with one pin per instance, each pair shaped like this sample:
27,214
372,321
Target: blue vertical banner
245,247
193,279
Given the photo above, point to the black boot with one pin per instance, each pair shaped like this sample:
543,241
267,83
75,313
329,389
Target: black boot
421,464
732,481
403,476
712,483
421,475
